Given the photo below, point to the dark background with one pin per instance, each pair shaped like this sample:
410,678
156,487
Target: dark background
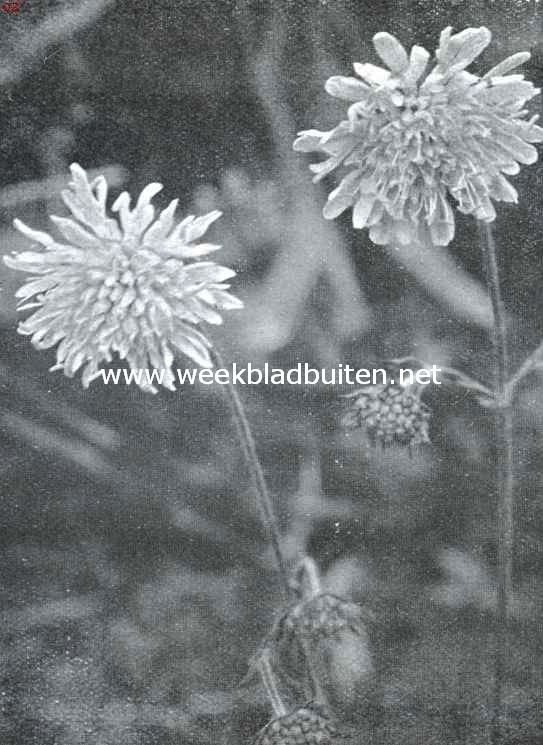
136,578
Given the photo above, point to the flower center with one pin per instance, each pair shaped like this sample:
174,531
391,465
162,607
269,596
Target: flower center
124,284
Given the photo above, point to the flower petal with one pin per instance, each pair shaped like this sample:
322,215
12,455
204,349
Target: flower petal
323,169
135,222
208,271
160,229
460,50
193,344
341,140
86,207
381,233
529,131
501,189
36,286
75,233
444,38
505,91
221,299
362,210
391,52
191,252
203,311
308,141
35,235
508,64
27,261
371,73
442,222
99,185
199,226
521,151
349,89
418,60
150,191
441,233
342,197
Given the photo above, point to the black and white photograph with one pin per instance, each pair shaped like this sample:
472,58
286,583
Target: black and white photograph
271,375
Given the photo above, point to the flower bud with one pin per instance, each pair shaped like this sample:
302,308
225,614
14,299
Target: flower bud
390,414
308,725
337,641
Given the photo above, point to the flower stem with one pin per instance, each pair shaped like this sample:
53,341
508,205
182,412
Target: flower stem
265,504
257,476
504,477
270,686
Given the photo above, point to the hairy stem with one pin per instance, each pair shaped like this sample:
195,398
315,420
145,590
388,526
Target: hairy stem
504,478
270,686
266,506
257,476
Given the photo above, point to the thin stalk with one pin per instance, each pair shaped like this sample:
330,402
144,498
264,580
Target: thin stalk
270,685
310,586
504,478
530,363
264,500
450,373
257,475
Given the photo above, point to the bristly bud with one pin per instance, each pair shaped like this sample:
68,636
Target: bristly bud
318,613
308,725
333,635
338,644
324,615
390,414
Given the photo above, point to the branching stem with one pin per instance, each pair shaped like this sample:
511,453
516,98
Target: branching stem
531,363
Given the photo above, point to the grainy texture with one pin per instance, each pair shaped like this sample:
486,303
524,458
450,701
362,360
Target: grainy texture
137,578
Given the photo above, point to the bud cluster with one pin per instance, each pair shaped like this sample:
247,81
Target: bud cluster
390,414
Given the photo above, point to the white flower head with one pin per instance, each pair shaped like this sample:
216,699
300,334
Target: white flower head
418,138
129,287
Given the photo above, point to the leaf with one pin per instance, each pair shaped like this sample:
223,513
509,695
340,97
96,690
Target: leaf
446,281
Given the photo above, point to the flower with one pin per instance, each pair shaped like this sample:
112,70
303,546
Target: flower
129,288
308,725
390,413
417,140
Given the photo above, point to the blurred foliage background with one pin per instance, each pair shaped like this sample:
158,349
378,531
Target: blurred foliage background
136,578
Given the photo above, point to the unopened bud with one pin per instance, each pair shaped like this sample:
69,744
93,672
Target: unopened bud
390,414
308,725
338,643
